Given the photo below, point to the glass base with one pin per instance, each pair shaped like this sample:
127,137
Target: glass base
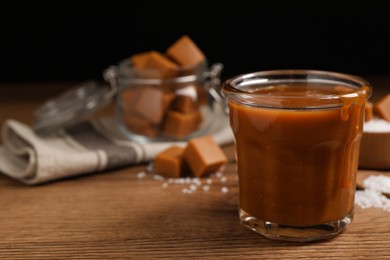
294,233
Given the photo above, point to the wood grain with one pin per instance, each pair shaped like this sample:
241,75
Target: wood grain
116,215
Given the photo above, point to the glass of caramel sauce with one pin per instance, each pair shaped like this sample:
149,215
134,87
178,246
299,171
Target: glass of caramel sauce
297,136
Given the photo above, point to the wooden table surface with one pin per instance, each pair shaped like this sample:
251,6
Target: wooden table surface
117,215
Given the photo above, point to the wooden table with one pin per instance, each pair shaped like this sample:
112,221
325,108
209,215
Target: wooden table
117,215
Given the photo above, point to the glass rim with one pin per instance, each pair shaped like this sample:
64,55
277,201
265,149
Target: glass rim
234,87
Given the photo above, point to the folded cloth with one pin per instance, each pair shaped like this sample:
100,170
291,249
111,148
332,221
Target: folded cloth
87,147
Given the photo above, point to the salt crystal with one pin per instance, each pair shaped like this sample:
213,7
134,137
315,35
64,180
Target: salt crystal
180,181
376,125
141,175
165,185
379,183
209,181
224,189
185,190
197,181
223,179
372,196
206,188
158,177
218,174
372,199
193,187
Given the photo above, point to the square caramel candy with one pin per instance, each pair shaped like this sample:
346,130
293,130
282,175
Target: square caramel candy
382,107
186,99
170,162
185,53
178,125
152,104
139,60
139,125
158,62
204,156
184,104
129,99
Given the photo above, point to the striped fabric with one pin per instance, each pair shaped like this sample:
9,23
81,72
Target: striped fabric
88,147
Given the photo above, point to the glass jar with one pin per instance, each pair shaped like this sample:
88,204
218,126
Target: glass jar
148,108
297,136
152,109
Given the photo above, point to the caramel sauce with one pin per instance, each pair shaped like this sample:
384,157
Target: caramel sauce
297,165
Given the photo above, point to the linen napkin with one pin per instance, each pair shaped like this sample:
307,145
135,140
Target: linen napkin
88,147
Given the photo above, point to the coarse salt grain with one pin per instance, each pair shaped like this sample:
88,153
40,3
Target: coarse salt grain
158,177
372,196
376,125
196,181
371,199
141,175
218,174
379,183
193,187
185,190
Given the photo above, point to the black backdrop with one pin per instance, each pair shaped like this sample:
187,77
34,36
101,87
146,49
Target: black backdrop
80,47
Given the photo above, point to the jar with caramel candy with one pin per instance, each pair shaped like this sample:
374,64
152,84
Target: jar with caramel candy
159,96
174,108
167,96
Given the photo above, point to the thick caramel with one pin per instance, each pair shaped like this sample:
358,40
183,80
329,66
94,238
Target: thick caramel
297,166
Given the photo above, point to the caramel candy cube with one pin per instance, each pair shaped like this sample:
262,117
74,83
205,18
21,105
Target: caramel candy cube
204,156
185,52
368,111
382,107
186,99
129,99
139,60
140,125
152,104
179,125
134,121
184,104
170,162
165,67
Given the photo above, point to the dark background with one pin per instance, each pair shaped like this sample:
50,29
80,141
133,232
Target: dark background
79,47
